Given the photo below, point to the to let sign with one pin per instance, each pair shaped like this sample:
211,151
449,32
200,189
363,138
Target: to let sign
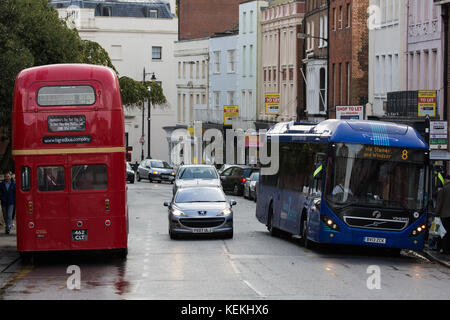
272,101
426,103
350,112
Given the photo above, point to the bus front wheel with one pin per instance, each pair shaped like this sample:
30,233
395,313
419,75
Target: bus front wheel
304,241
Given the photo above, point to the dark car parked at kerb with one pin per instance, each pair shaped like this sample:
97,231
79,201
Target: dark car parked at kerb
155,170
234,178
130,173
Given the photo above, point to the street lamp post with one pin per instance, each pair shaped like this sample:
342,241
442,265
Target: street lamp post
153,78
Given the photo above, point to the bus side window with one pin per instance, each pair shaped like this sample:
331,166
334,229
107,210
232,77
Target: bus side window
25,174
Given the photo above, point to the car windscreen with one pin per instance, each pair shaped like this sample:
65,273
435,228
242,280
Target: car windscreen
160,164
197,173
200,195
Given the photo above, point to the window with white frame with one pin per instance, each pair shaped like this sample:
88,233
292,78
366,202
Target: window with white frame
231,98
231,61
321,31
217,99
216,61
152,13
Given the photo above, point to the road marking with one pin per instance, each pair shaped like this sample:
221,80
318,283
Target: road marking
253,288
233,265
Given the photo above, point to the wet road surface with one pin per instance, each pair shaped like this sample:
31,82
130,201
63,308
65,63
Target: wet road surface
253,265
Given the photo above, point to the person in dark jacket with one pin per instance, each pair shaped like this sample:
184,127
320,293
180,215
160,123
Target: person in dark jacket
443,211
8,200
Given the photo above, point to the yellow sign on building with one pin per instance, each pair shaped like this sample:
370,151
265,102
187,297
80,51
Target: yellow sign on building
230,112
272,101
426,101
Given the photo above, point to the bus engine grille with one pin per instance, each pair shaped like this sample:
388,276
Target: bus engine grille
372,223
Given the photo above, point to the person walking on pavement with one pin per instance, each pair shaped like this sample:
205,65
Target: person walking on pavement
443,211
8,200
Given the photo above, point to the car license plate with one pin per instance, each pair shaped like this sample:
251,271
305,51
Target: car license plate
201,230
375,240
80,235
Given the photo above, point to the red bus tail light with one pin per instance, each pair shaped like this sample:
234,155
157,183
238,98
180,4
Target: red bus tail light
30,207
31,225
107,206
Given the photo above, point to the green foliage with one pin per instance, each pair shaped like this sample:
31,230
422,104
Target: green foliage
134,93
93,53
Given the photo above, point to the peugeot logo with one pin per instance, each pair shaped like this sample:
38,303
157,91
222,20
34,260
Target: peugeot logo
202,213
376,214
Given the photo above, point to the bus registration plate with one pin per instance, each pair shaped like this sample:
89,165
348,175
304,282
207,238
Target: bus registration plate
375,240
201,230
80,235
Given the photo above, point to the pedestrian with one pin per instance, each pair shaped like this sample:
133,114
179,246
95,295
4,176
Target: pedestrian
8,200
443,211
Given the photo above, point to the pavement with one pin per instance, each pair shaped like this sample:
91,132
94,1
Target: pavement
8,251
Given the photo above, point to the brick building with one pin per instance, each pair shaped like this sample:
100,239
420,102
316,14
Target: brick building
202,18
348,54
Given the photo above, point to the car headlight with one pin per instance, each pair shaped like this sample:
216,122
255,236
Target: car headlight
225,212
177,212
173,173
155,172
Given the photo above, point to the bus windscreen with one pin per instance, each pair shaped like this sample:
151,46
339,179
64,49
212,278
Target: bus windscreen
386,177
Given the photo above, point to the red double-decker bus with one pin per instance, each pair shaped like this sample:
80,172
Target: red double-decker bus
69,153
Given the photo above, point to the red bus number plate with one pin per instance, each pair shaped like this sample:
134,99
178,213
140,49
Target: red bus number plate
80,235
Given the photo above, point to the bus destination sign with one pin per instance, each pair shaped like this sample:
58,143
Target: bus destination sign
66,123
381,153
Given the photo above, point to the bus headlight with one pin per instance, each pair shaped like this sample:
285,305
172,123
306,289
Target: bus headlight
330,223
418,231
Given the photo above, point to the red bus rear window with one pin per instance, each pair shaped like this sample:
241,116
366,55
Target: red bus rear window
50,178
80,95
89,177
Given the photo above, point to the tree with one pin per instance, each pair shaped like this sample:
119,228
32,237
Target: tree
93,53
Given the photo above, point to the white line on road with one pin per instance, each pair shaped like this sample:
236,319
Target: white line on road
253,288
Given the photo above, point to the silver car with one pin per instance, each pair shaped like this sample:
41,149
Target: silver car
202,210
250,186
196,175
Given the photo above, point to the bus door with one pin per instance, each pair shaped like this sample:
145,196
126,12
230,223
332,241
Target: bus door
315,187
51,207
90,201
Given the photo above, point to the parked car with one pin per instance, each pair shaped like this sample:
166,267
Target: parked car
234,177
202,210
250,186
196,175
155,170
130,173
223,167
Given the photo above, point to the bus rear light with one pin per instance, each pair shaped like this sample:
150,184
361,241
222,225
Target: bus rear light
107,205
31,225
30,207
107,223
